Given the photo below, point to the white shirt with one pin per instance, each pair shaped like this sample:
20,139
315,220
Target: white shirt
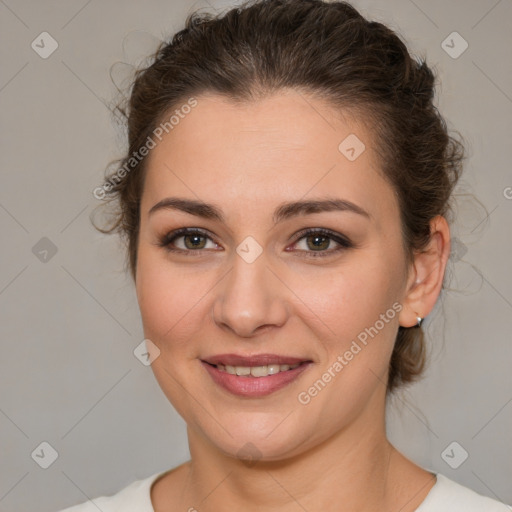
445,496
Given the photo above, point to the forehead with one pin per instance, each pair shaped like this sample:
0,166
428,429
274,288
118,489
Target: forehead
263,152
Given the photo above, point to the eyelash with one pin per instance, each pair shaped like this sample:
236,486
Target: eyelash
344,243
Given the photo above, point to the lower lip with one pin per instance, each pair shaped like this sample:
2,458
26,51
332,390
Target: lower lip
254,386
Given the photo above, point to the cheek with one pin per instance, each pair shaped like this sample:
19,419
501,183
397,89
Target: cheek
356,318
169,300
350,298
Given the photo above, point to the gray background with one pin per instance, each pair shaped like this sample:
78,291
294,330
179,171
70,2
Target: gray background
68,326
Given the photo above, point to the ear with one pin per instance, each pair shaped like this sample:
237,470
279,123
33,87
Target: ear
426,274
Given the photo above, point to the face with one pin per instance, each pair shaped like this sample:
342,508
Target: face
246,280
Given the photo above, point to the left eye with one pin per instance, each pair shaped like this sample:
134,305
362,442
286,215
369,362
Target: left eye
317,241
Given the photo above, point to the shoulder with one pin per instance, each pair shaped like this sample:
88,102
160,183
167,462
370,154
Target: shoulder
133,498
449,496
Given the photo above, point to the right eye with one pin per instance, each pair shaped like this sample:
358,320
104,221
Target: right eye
193,240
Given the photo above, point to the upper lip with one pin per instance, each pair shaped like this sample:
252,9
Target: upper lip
254,360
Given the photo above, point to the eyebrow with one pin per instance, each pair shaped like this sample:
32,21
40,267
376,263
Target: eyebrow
282,212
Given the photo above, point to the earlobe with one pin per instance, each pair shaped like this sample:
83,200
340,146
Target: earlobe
427,274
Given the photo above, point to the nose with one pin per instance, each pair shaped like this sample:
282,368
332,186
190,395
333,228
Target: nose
250,299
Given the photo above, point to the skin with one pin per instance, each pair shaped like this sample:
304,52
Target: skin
248,159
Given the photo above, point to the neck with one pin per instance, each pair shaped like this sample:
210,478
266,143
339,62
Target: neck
355,469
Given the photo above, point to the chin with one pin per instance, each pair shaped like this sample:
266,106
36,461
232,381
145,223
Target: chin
259,437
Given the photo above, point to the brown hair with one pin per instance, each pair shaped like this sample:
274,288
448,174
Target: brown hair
327,49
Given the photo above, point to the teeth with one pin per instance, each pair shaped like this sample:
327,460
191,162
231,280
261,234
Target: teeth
256,371
229,369
242,370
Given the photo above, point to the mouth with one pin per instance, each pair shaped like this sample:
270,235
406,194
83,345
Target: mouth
254,376
254,360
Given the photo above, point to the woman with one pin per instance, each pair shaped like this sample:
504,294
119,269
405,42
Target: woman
285,199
